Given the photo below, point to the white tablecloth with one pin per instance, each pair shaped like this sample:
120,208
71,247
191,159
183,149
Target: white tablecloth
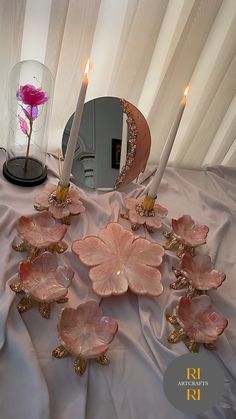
33,385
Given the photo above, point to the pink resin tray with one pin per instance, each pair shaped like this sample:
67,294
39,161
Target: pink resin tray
118,261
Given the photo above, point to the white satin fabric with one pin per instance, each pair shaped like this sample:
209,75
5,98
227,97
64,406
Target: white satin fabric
33,385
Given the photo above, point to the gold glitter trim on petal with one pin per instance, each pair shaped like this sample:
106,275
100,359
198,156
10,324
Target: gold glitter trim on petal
132,144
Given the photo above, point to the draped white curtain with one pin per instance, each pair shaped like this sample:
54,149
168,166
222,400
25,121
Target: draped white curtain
146,51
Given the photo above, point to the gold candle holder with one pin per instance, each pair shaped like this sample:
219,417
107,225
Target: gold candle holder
62,192
148,203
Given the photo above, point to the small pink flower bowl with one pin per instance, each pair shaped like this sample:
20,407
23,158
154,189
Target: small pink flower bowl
119,261
197,322
85,333
43,280
200,321
197,273
41,230
186,235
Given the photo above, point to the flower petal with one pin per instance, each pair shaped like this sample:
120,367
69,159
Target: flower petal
144,279
76,207
135,218
42,200
130,203
108,279
59,212
116,238
145,252
92,251
23,125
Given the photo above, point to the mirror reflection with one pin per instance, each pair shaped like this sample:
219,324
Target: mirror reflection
105,139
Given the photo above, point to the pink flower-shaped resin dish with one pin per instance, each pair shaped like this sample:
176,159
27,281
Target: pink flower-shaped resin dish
119,261
137,216
85,333
198,274
186,235
197,322
44,281
60,210
38,233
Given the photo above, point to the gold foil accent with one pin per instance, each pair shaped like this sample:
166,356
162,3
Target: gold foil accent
181,281
192,346
16,288
44,309
60,247
62,192
103,360
171,318
210,346
177,335
62,300
60,352
135,226
80,365
174,243
24,304
22,247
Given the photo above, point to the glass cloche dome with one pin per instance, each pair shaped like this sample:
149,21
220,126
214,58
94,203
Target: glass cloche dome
30,93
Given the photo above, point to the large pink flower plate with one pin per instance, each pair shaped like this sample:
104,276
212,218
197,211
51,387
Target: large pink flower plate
119,261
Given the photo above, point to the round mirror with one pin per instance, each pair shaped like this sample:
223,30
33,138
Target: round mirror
113,143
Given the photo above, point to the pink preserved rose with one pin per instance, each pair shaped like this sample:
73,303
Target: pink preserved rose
30,95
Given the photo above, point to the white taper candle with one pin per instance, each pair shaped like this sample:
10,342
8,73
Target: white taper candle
70,150
167,148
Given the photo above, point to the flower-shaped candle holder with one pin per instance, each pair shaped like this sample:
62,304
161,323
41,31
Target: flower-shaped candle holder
198,274
43,281
85,333
60,202
120,261
38,233
139,216
186,236
197,322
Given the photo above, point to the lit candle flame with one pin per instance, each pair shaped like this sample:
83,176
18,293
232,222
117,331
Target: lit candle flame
87,67
186,91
